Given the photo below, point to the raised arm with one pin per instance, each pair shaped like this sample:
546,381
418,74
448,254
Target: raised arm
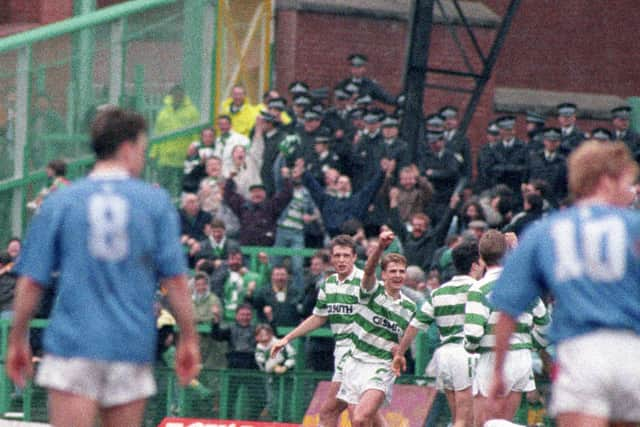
369,277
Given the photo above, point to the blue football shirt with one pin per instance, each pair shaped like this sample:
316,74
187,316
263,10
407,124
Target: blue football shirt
588,258
111,238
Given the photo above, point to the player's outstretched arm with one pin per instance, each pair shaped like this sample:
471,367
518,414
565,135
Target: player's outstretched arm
369,277
399,364
309,324
19,367
503,330
188,351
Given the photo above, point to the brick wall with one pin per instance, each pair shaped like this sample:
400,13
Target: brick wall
552,46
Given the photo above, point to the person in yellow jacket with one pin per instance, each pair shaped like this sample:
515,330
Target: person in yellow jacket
243,114
178,113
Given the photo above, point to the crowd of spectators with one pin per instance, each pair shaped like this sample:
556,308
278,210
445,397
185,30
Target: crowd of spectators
299,168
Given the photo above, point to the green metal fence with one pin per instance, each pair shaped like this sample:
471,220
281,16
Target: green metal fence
54,78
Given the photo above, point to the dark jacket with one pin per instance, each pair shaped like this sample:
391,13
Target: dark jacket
419,251
242,344
335,211
285,313
257,222
194,226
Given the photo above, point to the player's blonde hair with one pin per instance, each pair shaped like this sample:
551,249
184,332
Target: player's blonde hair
594,160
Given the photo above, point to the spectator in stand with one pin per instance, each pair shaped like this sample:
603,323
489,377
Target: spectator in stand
279,364
233,282
13,247
420,244
277,302
241,337
413,194
197,155
192,219
56,178
415,284
228,138
210,186
337,209
206,307
8,279
178,113
311,128
257,214
242,346
367,151
290,231
470,211
216,246
242,114
245,165
533,211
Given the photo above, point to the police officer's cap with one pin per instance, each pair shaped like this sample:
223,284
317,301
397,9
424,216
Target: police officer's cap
278,104
312,115
533,117
434,121
371,117
552,134
506,122
302,100
390,122
340,93
601,134
351,88
622,112
364,100
298,87
318,108
320,93
357,114
566,109
492,128
267,116
357,59
434,136
448,112
323,136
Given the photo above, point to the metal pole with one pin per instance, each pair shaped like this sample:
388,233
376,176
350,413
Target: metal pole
488,64
421,20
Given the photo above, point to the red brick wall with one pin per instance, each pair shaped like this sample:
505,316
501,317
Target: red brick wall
561,46
314,47
25,11
572,45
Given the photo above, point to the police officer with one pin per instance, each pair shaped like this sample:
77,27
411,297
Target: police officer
487,158
511,156
620,119
456,142
366,86
549,164
572,136
442,169
367,151
535,130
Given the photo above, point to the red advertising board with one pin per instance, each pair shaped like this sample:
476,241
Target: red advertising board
195,422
